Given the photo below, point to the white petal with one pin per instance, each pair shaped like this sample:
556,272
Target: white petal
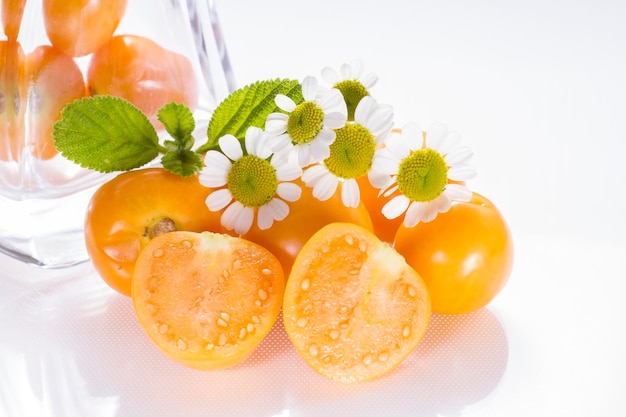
379,180
350,193
302,155
398,146
326,187
231,147
458,192
458,155
276,123
231,214
277,209
281,143
395,207
335,120
244,221
385,163
333,102
393,187
414,214
319,148
284,103
215,173
330,75
381,122
325,136
461,172
369,80
430,211
313,174
309,88
346,71
443,203
413,135
253,140
289,191
284,170
219,199
364,110
441,139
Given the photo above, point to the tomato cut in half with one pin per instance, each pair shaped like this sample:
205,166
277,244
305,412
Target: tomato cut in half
353,308
206,299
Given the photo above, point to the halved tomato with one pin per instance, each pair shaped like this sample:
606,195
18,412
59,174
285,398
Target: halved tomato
206,299
353,308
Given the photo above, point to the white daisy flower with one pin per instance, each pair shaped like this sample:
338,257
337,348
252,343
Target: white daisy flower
352,82
306,130
351,154
423,167
250,181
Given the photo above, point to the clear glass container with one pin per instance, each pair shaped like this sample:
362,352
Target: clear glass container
149,51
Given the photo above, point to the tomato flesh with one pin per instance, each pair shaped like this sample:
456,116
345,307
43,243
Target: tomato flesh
353,308
206,299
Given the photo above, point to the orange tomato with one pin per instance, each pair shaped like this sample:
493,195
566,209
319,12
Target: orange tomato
54,79
206,299
128,210
384,228
141,71
465,255
306,216
80,27
353,308
12,12
13,93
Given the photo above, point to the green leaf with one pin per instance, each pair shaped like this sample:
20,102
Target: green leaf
177,119
184,163
248,106
106,134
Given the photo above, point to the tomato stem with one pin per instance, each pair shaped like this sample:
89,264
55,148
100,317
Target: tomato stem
161,226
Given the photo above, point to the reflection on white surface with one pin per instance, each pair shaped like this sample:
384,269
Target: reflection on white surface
74,348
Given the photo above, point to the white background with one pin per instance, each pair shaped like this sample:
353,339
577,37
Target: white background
537,89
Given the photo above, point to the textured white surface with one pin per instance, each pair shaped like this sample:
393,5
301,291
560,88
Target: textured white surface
537,89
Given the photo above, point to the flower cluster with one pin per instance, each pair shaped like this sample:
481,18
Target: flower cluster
336,135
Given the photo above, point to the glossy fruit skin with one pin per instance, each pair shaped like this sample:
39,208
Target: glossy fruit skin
353,308
206,299
80,27
384,228
306,216
122,210
465,255
141,71
54,79
13,108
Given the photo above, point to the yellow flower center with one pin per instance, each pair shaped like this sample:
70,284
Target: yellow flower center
252,181
353,91
305,122
352,152
423,175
